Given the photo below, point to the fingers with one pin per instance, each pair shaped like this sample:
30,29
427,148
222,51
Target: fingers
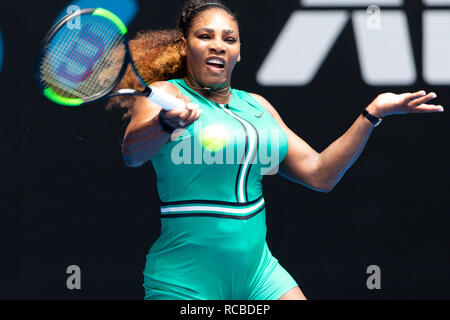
412,96
428,108
409,98
189,115
193,116
185,99
417,100
182,118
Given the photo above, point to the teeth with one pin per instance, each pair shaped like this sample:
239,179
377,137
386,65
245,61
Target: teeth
215,61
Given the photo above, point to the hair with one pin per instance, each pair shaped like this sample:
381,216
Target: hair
156,53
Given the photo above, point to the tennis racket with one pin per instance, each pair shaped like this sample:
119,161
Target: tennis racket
84,57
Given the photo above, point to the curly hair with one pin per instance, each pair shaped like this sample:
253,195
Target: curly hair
156,53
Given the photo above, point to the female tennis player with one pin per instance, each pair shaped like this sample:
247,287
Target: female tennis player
213,232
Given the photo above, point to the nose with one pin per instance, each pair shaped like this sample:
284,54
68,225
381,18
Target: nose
217,46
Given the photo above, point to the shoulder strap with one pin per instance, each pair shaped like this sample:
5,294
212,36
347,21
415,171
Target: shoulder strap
247,97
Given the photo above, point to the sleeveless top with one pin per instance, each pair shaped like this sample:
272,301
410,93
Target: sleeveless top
222,156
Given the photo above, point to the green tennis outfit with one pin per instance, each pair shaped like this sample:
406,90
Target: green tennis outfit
213,226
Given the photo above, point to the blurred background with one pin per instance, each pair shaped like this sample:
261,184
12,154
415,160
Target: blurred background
66,198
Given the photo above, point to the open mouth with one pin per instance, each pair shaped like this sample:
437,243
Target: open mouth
216,62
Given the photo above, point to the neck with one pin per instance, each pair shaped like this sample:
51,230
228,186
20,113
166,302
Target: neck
220,95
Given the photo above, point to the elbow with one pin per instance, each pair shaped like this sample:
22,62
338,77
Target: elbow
129,160
318,180
324,189
327,190
324,183
130,163
327,186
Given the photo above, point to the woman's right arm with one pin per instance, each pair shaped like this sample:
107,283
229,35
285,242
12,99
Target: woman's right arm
144,136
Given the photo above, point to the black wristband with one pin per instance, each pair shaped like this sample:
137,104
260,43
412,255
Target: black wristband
167,128
375,121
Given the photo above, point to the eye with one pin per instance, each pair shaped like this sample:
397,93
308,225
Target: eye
204,36
231,40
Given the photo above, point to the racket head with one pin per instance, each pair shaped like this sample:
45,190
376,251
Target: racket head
80,63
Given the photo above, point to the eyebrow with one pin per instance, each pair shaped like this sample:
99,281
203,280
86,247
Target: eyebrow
226,31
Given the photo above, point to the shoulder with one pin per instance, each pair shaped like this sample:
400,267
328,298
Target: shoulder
266,104
167,86
145,104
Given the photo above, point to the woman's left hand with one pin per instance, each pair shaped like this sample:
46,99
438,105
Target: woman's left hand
390,103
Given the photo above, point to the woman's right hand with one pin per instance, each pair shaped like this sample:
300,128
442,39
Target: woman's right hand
181,118
144,136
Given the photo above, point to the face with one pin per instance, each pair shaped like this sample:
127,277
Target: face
212,48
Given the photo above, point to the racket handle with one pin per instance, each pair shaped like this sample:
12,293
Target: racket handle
165,100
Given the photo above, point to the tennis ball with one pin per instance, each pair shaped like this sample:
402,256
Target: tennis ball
214,137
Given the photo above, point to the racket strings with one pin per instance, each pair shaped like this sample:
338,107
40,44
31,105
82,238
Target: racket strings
80,63
87,50
97,81
66,37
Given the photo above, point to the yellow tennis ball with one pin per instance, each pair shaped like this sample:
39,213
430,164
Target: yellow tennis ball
214,137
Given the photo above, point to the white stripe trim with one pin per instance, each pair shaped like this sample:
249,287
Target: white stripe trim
215,209
252,143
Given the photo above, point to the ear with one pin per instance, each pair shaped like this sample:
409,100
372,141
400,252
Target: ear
183,48
239,58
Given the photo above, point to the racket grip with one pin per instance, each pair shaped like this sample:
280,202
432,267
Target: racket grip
165,100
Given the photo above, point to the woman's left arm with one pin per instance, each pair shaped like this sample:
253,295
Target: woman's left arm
322,171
